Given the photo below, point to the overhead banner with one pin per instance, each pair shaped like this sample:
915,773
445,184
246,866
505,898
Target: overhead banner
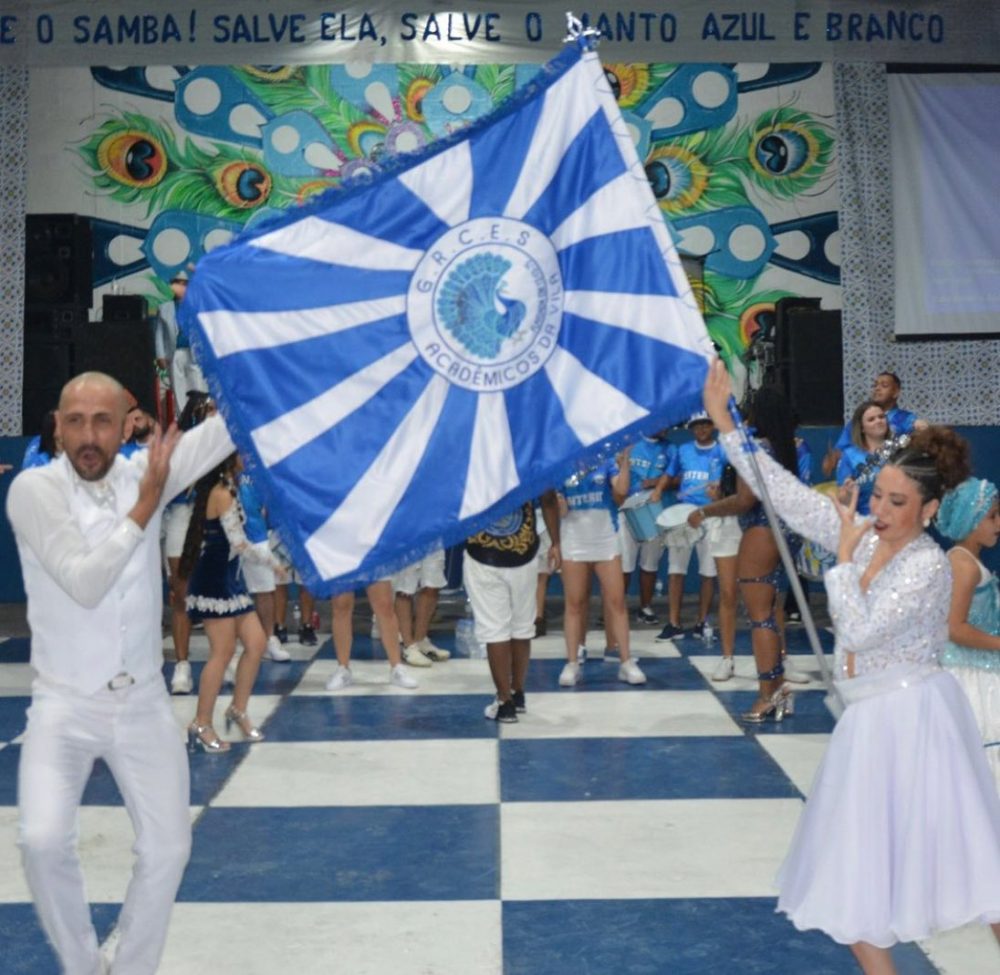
100,32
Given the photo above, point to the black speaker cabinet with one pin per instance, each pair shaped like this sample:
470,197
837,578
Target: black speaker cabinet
812,369
49,363
53,323
123,350
123,308
58,260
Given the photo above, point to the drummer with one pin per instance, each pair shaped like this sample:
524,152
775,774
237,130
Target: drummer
646,470
697,468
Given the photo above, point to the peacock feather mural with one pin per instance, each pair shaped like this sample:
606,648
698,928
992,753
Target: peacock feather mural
741,164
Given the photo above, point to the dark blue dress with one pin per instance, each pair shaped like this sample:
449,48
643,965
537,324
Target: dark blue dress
216,588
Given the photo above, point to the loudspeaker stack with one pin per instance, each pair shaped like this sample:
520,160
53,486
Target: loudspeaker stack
57,297
810,360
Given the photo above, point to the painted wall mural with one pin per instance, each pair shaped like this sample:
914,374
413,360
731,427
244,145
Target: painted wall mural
175,161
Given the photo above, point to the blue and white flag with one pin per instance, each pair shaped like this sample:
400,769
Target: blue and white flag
402,361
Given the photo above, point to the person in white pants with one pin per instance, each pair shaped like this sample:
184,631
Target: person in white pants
87,528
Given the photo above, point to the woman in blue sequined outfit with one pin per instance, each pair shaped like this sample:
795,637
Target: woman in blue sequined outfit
970,514
758,564
900,836
217,596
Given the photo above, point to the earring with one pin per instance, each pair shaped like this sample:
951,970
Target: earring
927,523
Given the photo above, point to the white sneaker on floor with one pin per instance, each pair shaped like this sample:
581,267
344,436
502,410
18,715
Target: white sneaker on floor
398,677
570,674
630,672
792,673
109,946
340,678
275,651
433,651
491,709
181,682
414,656
724,669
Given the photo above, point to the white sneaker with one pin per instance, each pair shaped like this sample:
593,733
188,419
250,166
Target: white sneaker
340,678
414,656
398,677
433,651
724,669
629,672
570,674
491,709
109,947
275,651
792,673
181,682
581,654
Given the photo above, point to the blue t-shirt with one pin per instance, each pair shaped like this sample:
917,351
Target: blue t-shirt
900,421
648,459
255,527
851,459
130,447
697,467
592,490
804,457
34,456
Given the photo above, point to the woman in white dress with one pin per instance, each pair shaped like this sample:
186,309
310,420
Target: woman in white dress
970,514
900,836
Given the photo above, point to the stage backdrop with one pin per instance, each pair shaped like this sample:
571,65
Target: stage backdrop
173,162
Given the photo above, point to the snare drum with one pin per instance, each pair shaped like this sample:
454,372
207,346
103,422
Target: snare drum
640,513
674,521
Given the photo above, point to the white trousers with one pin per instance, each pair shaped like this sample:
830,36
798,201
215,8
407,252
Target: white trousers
185,377
133,730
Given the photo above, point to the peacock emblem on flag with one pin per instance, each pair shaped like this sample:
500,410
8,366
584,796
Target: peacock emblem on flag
472,307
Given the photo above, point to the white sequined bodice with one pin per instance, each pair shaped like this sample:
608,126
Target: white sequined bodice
902,617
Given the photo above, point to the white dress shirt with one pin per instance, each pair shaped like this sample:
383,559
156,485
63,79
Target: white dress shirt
92,575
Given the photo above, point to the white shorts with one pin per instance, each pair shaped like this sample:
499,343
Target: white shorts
285,560
680,556
503,600
588,536
647,554
176,518
428,573
723,536
257,576
544,544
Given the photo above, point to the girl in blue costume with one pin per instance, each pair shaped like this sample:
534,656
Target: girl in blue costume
217,595
900,836
758,562
970,514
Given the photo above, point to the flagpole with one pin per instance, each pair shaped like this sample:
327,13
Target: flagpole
832,700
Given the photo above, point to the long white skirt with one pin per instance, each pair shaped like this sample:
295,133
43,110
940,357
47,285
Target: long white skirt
982,688
900,836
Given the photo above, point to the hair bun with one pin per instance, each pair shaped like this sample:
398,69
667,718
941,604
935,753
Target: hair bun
948,450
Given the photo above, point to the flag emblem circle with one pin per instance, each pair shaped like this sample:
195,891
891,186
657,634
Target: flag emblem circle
485,303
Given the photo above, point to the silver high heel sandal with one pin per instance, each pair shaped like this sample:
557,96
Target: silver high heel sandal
239,718
780,705
196,739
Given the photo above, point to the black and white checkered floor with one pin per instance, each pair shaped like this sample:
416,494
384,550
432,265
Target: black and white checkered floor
613,829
